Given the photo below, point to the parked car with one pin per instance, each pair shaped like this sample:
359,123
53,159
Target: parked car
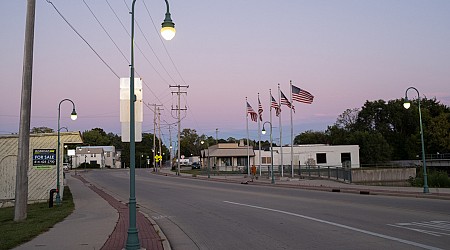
195,165
66,166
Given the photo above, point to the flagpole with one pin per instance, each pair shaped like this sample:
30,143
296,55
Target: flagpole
281,133
259,137
248,154
292,135
271,150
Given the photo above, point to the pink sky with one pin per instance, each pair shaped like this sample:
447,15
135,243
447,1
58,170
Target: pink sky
343,52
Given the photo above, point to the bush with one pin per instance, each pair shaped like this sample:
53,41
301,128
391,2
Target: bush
436,179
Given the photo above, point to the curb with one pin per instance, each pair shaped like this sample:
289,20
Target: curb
164,241
356,190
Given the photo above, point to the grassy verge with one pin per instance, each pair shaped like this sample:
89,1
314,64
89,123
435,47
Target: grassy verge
40,218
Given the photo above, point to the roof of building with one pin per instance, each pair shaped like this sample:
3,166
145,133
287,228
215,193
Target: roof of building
105,148
83,151
228,150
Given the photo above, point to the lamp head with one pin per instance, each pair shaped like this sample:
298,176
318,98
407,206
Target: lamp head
406,103
73,115
202,142
168,28
263,131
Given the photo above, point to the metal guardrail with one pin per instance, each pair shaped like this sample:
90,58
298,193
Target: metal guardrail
326,172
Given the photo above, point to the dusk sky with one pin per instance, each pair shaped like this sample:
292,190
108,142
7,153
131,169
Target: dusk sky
343,52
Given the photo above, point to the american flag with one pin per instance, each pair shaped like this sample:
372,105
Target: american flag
274,104
260,109
253,114
285,101
301,95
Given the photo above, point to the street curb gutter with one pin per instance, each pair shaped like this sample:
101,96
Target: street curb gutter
165,242
355,190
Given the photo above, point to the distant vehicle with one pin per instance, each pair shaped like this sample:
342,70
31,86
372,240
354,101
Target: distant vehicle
66,166
184,162
195,165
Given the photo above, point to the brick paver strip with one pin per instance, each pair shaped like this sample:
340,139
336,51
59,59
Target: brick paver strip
148,237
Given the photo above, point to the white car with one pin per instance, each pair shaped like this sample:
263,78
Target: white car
65,166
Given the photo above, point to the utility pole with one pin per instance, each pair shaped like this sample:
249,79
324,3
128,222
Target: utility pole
21,194
179,92
170,147
217,133
159,135
154,135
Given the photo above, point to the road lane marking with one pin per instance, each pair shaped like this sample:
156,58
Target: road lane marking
435,228
339,225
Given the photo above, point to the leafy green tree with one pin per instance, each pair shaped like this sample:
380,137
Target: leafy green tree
312,137
189,142
39,130
373,147
439,134
96,137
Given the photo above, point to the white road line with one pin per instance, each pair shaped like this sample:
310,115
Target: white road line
419,230
339,225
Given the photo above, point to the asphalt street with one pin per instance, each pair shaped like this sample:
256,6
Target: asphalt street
199,214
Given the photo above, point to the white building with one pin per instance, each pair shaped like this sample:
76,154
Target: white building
105,156
313,155
231,156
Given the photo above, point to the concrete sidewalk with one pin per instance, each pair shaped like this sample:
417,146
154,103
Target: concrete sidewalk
99,221
88,227
325,185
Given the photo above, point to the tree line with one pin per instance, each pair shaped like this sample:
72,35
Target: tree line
386,131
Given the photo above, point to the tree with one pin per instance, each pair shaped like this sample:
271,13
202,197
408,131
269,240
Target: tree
96,137
312,137
190,142
39,130
347,119
374,148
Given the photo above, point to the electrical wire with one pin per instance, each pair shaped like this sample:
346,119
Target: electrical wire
164,45
90,46
110,38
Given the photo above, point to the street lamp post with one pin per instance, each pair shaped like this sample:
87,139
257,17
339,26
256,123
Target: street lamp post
73,116
271,149
167,32
207,159
406,105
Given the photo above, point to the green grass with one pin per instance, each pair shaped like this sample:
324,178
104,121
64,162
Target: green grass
40,218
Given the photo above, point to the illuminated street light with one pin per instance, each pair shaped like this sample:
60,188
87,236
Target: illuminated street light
407,104
271,149
168,32
207,159
73,116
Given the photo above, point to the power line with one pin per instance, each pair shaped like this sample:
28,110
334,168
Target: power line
112,40
164,45
151,48
73,28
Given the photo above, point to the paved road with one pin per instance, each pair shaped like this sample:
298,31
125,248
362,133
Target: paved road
198,214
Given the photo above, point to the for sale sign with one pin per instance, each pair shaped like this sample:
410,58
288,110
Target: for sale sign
44,158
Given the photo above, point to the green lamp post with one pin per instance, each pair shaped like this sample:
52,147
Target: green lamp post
167,32
207,159
271,149
73,116
406,105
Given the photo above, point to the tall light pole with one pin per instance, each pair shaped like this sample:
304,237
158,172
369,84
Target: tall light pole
167,32
207,159
271,149
407,104
73,116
